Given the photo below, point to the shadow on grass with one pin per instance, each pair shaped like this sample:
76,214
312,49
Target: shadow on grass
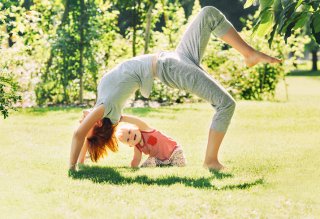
304,73
220,175
112,176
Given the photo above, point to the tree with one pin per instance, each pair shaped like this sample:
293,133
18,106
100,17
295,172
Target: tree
20,44
286,16
133,15
72,59
148,27
174,23
8,93
234,12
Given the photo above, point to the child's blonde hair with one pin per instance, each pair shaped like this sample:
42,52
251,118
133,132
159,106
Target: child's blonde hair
119,130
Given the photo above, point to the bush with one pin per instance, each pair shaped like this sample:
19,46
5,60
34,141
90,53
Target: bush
164,94
259,82
8,93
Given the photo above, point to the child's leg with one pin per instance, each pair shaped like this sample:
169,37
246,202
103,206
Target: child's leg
150,162
177,158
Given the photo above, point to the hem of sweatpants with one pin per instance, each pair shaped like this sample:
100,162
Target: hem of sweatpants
222,29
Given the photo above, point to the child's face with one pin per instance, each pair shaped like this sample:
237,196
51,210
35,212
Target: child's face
129,134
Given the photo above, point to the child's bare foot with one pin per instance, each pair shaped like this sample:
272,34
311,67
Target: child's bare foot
215,165
258,57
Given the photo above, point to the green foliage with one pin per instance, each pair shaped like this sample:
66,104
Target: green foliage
85,34
284,17
175,22
136,26
65,57
168,39
66,48
8,93
163,93
259,82
22,49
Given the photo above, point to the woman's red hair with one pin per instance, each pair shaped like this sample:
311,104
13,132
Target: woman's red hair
102,139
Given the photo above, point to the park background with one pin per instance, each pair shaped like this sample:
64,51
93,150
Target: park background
53,54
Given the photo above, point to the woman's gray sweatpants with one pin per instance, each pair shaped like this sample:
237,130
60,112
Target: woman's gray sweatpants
181,69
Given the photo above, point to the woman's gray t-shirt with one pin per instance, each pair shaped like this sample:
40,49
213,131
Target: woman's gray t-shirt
116,86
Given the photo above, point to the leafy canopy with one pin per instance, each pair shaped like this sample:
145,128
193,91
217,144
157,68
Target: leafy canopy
286,16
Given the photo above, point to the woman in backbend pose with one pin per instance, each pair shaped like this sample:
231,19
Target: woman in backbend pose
179,69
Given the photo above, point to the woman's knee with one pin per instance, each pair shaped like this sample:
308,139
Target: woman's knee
210,10
228,104
231,105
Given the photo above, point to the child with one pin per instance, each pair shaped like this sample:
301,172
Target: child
162,150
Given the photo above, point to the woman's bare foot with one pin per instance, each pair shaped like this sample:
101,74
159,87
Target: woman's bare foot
215,165
258,57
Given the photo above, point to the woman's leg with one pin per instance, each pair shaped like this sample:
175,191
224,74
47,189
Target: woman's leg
187,76
211,20
195,39
193,44
251,56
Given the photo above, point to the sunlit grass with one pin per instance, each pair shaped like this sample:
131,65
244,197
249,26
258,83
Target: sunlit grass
271,151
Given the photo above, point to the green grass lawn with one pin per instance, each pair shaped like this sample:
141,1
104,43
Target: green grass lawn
272,153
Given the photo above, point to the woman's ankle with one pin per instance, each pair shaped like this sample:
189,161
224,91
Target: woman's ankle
249,52
216,165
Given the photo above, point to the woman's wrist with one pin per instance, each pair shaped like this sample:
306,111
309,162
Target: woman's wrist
77,166
72,166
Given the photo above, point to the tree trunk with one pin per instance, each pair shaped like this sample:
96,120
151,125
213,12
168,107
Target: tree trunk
81,48
10,42
314,59
134,28
64,81
63,20
148,27
166,19
134,41
165,15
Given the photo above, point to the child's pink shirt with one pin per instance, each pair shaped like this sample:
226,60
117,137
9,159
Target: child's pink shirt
157,144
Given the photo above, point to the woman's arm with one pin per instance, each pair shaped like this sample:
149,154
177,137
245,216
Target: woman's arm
136,157
80,134
84,149
136,121
83,152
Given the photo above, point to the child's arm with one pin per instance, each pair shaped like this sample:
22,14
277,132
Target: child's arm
136,157
136,121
